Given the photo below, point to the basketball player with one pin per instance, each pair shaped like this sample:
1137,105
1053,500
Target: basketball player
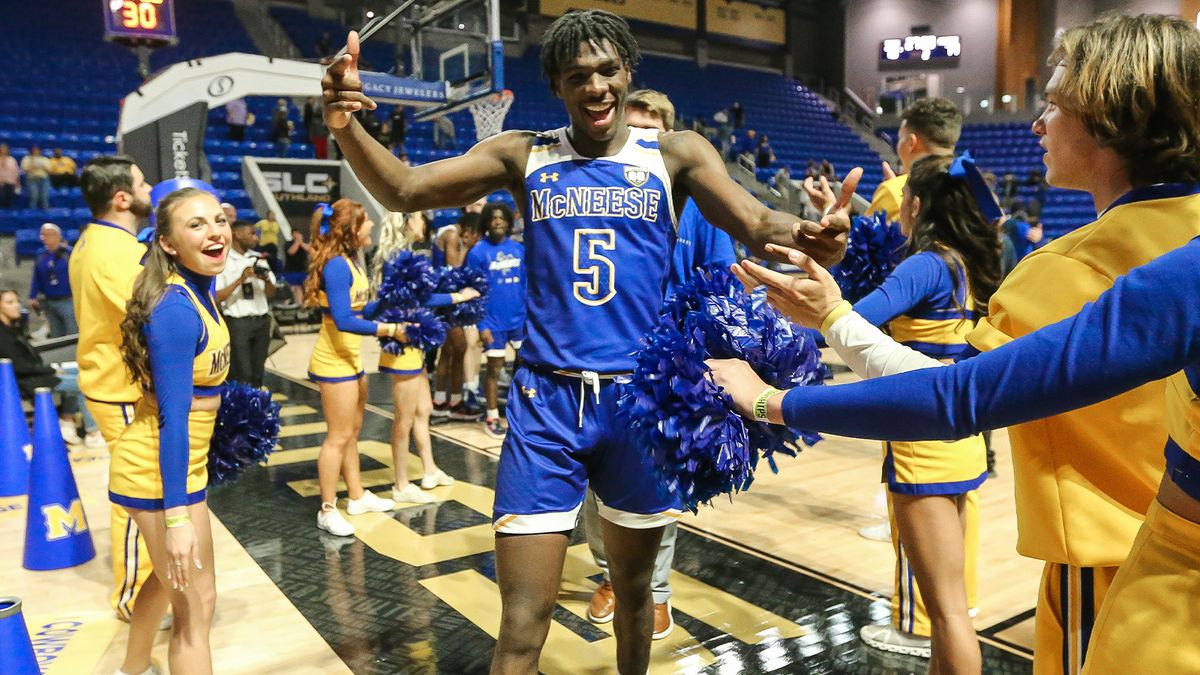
598,240
1086,479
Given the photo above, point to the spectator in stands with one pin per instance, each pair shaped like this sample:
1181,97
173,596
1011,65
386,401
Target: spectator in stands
324,45
1036,180
32,373
230,211
50,288
36,167
399,120
827,171
281,128
10,177
443,133
237,119
749,144
1023,233
764,156
812,170
243,289
63,170
739,115
268,238
318,133
295,268
724,131
1008,190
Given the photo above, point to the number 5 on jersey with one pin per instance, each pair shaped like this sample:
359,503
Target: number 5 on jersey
600,272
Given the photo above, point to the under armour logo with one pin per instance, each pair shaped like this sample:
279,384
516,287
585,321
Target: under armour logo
548,177
529,392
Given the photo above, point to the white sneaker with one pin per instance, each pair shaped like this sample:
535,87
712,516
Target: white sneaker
94,440
69,433
889,639
368,503
411,494
332,521
432,480
879,532
149,671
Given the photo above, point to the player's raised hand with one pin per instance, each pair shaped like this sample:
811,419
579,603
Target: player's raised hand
341,88
888,173
806,301
826,241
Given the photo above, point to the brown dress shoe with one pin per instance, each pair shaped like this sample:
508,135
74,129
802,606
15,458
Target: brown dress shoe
663,623
603,603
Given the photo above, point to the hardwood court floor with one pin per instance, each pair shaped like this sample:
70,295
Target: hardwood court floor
777,581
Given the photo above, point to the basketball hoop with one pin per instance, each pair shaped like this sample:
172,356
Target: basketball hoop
488,113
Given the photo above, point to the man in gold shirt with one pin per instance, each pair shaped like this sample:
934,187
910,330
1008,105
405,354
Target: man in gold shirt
1121,122
103,267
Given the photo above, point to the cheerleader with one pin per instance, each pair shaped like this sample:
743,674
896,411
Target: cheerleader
338,285
410,383
176,346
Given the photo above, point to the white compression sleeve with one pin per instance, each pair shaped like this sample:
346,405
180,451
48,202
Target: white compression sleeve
869,352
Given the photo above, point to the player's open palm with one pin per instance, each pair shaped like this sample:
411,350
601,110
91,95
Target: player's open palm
341,88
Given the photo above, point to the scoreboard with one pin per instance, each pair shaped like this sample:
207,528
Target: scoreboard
140,22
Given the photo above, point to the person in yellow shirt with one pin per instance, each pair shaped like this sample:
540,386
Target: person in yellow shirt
103,266
930,126
63,170
268,237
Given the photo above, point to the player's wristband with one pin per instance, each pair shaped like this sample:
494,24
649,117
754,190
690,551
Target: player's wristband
760,403
178,521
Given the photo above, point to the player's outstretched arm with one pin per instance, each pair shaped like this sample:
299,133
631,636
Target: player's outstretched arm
455,181
724,203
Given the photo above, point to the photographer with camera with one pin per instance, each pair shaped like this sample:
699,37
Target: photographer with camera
244,290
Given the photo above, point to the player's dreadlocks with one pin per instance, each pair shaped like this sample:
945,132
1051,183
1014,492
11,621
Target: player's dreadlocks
560,44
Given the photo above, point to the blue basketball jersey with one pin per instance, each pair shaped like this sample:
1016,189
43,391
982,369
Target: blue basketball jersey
504,264
598,238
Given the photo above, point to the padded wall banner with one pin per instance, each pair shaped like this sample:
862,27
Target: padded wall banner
172,146
299,186
746,21
678,13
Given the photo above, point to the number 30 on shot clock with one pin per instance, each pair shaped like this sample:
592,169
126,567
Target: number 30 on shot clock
144,22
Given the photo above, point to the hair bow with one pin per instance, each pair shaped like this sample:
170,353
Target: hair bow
146,235
326,213
964,169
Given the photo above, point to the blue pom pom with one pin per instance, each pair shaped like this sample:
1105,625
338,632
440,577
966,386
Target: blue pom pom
423,329
701,447
246,432
407,280
453,280
873,249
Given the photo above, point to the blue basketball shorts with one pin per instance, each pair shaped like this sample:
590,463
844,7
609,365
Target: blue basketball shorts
503,338
564,432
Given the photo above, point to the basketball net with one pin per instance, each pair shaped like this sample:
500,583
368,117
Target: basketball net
489,113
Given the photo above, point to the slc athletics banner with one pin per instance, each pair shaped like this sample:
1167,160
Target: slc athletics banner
747,21
678,13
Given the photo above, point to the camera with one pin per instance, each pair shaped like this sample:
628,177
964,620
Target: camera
262,268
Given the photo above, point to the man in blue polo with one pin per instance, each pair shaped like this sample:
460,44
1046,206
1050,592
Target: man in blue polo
50,290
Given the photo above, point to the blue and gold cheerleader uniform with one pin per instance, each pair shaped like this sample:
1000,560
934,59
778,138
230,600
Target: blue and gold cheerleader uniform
927,307
103,267
1085,479
161,461
599,234
1143,329
344,290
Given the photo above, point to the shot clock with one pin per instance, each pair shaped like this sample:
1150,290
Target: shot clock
149,23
